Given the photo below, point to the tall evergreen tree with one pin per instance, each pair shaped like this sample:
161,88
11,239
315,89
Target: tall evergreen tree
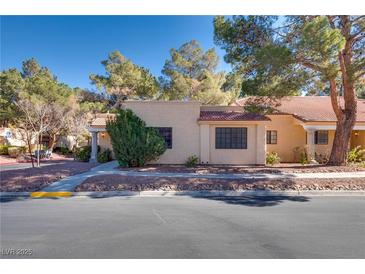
124,79
11,84
192,74
283,57
38,82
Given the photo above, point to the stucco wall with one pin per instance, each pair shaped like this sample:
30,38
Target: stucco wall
325,149
234,156
358,138
290,136
191,137
181,116
104,140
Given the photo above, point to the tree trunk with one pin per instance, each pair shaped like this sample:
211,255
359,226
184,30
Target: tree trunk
53,141
38,151
346,115
341,142
29,142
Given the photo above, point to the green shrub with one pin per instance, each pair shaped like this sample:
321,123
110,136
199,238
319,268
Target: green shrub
272,158
104,156
300,155
4,150
64,150
133,143
356,155
192,161
83,154
303,158
14,151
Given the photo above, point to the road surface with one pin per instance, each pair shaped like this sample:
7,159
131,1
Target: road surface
184,227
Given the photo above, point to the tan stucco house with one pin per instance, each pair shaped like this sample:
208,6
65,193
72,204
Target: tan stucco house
229,135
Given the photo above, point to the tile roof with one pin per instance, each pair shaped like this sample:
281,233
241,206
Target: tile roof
311,108
231,116
100,120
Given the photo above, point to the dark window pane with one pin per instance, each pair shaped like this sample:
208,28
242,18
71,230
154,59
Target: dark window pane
166,134
321,137
230,138
271,137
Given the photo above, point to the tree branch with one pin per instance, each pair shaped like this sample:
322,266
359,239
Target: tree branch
307,64
331,21
334,100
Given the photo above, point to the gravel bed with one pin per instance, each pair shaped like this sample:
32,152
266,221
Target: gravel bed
34,179
280,168
117,182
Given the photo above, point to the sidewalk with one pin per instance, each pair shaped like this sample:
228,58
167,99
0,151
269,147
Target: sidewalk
70,183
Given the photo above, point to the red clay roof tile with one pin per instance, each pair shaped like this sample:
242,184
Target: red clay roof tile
231,116
311,108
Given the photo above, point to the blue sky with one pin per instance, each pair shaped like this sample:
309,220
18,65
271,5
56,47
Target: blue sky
73,46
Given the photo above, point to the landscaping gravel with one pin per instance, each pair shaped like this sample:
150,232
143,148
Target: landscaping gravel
34,179
117,182
280,168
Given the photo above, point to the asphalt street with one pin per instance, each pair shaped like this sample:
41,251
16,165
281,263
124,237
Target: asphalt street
184,227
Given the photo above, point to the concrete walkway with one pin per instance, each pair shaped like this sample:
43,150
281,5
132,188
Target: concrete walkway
70,183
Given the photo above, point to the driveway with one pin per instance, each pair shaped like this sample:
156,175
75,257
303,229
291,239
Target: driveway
186,227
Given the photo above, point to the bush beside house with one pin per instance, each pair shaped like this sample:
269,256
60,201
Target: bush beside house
192,161
12,151
356,155
104,156
83,154
134,144
272,158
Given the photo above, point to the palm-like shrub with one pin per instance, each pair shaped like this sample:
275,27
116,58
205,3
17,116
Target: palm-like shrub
356,155
133,143
272,158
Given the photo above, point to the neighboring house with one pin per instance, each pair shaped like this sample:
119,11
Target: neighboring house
229,135
13,137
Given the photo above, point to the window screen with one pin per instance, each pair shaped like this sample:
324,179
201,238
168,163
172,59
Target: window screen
230,138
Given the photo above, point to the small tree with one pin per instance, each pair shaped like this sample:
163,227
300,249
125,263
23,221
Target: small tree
133,143
27,135
36,113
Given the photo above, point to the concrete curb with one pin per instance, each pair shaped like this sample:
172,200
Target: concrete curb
206,193
223,193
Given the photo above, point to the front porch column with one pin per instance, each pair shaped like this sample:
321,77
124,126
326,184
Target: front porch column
94,146
260,144
204,144
311,146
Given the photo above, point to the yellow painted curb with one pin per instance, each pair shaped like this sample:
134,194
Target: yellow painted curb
42,194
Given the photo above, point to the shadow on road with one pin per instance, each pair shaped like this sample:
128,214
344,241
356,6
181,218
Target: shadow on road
245,200
105,194
256,201
8,199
